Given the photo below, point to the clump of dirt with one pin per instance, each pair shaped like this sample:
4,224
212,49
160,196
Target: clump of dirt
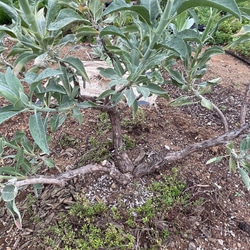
220,221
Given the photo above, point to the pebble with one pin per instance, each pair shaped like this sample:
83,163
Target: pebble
220,241
191,246
114,186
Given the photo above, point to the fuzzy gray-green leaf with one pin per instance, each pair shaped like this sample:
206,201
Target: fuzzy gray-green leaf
245,178
37,130
9,193
65,17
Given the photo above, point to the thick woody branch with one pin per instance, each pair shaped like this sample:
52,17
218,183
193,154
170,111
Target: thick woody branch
62,178
163,157
141,169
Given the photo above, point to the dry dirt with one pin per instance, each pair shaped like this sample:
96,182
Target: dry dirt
221,221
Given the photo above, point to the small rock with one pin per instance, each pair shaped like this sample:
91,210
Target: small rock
114,186
158,177
220,241
239,245
191,246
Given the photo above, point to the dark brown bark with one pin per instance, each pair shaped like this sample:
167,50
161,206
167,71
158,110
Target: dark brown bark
122,161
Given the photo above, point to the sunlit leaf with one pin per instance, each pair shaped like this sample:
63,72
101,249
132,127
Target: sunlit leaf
106,93
86,104
95,6
156,89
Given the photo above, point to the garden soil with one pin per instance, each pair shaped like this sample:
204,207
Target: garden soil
221,220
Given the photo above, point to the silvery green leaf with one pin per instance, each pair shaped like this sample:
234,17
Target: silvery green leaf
13,82
153,7
245,178
70,38
24,99
245,145
108,73
78,65
130,96
65,17
144,91
232,164
47,73
228,6
214,160
86,104
77,114
11,206
56,121
37,130
95,6
49,163
106,93
9,193
8,112
119,5
1,146
206,103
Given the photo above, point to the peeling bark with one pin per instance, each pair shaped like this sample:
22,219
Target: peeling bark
122,160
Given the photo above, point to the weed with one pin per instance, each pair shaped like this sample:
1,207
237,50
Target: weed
103,124
86,229
115,213
99,150
198,202
30,200
96,226
138,120
129,142
68,141
243,49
